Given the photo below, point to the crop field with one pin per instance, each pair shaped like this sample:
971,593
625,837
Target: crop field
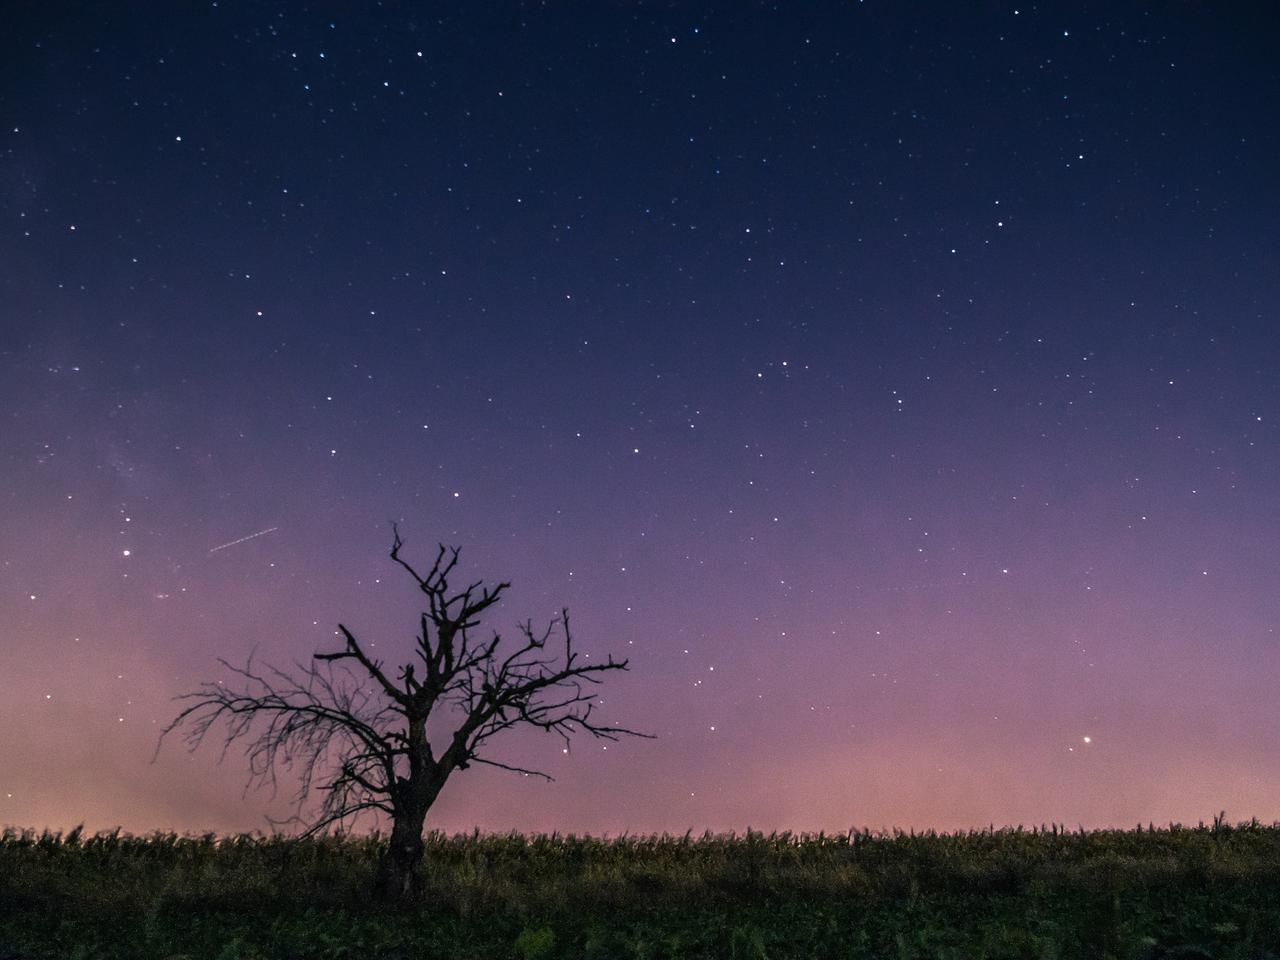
1212,890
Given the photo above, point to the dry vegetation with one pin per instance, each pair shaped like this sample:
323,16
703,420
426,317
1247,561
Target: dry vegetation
1004,893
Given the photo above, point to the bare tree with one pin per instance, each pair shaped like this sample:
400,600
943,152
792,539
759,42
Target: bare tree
347,729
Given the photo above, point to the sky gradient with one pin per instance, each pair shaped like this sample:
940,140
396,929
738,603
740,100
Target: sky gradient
897,389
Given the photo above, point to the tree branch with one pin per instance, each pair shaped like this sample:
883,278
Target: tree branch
504,766
361,738
353,652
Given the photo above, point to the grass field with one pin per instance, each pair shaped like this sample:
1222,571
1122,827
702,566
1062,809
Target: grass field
1205,891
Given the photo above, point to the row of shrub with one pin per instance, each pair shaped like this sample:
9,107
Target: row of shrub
540,872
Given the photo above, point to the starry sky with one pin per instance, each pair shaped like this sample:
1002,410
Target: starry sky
895,385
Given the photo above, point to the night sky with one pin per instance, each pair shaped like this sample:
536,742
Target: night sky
897,386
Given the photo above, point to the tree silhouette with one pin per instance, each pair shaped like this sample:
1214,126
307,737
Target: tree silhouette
351,732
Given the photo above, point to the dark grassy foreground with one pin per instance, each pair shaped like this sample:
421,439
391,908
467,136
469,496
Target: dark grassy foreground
1208,891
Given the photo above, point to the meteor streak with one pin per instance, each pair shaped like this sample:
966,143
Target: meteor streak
260,533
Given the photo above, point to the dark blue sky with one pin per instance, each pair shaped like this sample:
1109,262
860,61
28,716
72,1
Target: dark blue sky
896,388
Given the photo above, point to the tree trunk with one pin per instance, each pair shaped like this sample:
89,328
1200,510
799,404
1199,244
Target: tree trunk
398,881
